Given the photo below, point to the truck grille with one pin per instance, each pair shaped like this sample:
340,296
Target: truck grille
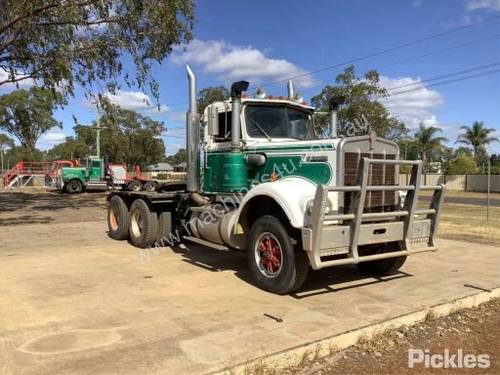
380,174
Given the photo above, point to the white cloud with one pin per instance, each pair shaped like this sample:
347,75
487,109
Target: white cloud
232,62
23,83
411,107
171,148
53,137
465,20
483,4
136,101
417,3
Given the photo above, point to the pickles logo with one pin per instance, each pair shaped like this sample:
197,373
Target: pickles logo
419,357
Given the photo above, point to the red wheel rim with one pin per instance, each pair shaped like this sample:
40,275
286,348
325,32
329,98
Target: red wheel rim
268,255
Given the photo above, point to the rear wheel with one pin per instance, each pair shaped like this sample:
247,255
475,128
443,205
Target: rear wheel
388,266
134,185
143,226
274,263
150,186
118,218
73,187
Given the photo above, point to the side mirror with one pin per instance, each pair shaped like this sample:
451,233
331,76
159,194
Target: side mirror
256,160
213,121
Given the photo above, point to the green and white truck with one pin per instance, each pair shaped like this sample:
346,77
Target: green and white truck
260,180
94,174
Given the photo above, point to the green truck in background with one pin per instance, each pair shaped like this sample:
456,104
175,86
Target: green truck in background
95,174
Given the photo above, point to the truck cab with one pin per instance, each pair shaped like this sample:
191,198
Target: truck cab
90,174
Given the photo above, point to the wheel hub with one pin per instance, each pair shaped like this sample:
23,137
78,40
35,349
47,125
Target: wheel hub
269,255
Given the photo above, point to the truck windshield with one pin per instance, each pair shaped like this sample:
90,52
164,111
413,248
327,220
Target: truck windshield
278,122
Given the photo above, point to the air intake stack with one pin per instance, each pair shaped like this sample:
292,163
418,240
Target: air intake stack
192,137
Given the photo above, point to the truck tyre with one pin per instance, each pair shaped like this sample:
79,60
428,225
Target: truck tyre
143,226
118,218
275,265
164,227
150,186
388,266
134,185
74,186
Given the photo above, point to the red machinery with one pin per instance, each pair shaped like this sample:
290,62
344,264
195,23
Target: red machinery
135,181
24,172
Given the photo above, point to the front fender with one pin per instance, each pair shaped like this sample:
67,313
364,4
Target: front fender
291,193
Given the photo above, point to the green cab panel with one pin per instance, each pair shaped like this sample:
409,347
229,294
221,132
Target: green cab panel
70,173
227,172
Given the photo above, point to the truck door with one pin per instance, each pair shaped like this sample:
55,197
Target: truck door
95,170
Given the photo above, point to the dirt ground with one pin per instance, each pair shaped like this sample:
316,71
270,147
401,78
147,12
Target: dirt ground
44,207
74,301
474,331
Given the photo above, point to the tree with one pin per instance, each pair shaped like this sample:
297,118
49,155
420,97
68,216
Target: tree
427,142
477,137
5,142
60,43
20,153
179,157
27,114
70,149
462,164
362,110
127,137
209,95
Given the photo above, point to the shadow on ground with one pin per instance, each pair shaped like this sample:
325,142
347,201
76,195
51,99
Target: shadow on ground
328,280
44,201
26,219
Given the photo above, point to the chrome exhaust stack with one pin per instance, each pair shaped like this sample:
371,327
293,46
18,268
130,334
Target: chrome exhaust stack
192,137
236,89
290,90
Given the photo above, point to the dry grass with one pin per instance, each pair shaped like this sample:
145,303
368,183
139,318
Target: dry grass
465,194
468,223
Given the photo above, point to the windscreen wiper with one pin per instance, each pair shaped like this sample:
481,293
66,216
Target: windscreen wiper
260,128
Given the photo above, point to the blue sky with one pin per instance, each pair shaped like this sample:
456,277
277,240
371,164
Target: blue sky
265,41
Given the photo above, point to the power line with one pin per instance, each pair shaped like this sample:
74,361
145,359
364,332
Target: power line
445,82
437,52
420,56
424,83
382,52
445,76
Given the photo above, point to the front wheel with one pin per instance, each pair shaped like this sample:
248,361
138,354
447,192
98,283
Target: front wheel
73,187
275,264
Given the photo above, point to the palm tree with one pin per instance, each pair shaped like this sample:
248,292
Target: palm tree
477,137
427,142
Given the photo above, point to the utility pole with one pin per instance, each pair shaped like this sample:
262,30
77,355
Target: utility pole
488,192
98,138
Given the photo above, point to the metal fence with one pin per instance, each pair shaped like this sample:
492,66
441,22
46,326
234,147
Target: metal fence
468,182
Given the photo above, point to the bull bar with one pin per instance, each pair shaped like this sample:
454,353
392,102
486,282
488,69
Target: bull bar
336,234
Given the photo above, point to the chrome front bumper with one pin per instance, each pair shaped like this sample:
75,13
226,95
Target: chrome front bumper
415,229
